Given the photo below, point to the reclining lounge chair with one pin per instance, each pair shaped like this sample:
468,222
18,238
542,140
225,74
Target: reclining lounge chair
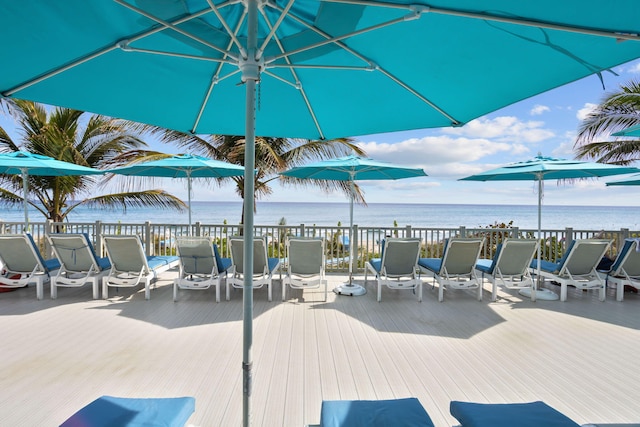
533,414
263,266
510,265
21,263
625,270
198,265
456,268
577,267
130,266
398,266
305,266
79,263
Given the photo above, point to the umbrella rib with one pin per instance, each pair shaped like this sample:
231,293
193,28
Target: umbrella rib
371,66
297,83
273,28
216,78
234,38
100,52
169,25
620,35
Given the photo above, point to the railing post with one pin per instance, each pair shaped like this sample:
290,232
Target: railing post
48,229
302,231
408,232
624,234
198,230
568,236
463,231
97,236
147,237
515,232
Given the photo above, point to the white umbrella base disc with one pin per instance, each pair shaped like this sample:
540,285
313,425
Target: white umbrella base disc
350,290
541,294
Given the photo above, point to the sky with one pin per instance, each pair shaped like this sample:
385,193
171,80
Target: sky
546,124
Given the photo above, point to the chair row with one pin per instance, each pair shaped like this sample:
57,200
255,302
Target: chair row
200,264
513,266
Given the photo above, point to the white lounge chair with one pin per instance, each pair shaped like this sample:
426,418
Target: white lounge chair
456,268
398,266
510,265
305,266
263,266
577,267
130,266
625,270
198,266
79,263
21,263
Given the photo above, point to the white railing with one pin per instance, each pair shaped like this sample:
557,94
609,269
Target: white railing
159,239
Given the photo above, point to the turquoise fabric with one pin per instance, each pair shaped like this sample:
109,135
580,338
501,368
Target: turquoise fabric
223,264
158,261
374,413
534,414
108,411
454,69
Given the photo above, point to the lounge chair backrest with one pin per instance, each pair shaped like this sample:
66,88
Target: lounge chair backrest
460,255
260,262
306,255
584,256
628,260
196,255
400,256
126,253
74,251
18,252
514,256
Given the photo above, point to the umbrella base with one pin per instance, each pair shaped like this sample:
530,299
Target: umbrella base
350,290
541,294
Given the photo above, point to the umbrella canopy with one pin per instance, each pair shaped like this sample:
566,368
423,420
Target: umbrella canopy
630,131
352,168
325,68
630,180
542,168
182,166
24,163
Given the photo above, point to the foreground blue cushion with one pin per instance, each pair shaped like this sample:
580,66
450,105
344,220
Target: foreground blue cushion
374,413
534,414
108,411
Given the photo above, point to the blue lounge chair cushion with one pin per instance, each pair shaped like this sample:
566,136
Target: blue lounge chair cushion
433,264
533,414
374,413
376,263
548,266
108,411
223,264
49,264
160,261
272,263
486,265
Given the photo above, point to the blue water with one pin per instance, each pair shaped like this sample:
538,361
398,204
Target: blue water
375,214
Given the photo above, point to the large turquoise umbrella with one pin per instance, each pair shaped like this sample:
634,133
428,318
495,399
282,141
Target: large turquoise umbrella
24,163
351,169
633,179
542,168
324,69
182,166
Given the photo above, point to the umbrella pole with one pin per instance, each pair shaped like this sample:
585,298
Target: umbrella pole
25,190
189,232
250,75
349,288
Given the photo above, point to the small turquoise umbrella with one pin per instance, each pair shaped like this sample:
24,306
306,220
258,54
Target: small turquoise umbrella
351,169
24,163
542,168
182,166
630,180
630,131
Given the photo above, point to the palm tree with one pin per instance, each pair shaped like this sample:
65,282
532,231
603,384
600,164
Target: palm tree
273,155
619,110
74,136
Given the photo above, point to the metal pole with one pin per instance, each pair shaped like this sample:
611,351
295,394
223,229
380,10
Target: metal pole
250,75
189,199
25,190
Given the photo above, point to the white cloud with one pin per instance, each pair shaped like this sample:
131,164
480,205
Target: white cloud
633,68
505,129
539,109
584,111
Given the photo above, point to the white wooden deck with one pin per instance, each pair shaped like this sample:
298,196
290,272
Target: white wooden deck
581,356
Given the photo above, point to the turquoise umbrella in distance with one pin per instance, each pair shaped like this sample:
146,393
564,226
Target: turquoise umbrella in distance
182,166
24,163
352,168
324,69
540,169
630,131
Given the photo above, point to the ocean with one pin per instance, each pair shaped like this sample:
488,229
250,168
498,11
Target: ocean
374,214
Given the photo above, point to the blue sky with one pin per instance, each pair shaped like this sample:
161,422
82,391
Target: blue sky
546,123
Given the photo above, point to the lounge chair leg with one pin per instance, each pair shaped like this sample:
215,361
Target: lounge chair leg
563,291
379,291
603,293
54,290
620,290
175,291
440,292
